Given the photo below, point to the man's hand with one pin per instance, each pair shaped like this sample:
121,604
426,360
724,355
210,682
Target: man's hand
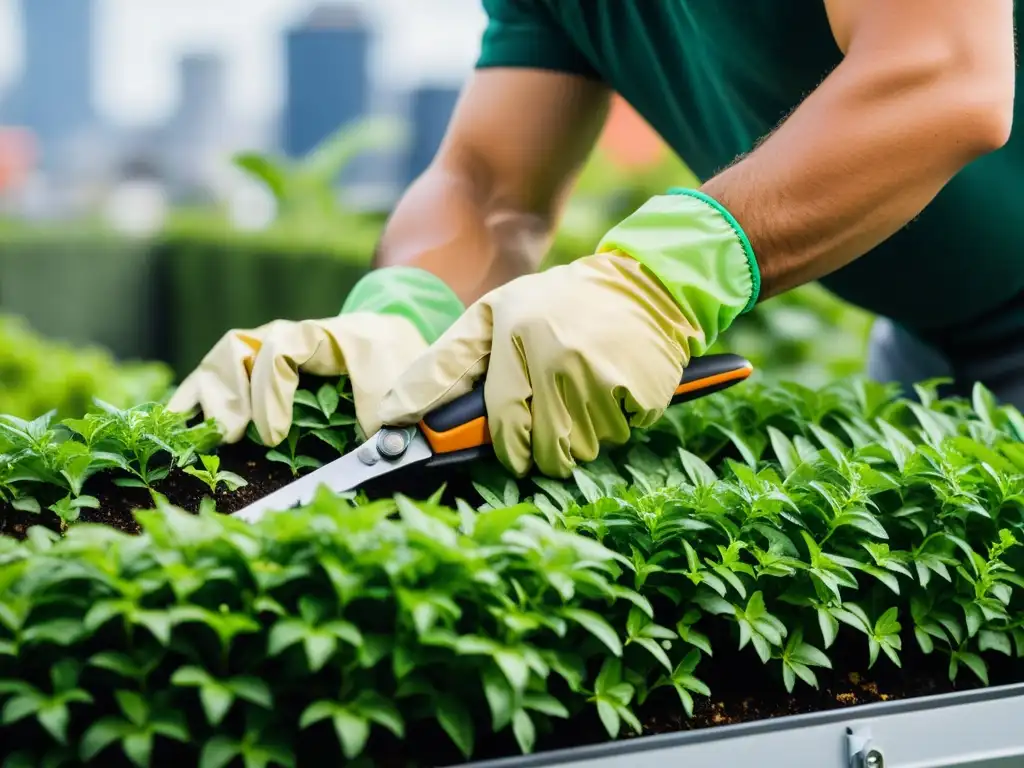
574,357
252,375
577,355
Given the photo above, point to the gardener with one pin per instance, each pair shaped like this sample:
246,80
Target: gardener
821,130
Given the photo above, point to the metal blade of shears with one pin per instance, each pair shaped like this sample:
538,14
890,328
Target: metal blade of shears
388,450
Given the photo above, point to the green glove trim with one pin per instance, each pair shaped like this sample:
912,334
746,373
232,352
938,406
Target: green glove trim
748,249
699,255
419,296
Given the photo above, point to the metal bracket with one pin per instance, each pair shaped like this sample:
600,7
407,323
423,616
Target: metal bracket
861,749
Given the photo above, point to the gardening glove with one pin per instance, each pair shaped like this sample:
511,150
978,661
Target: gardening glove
388,319
577,355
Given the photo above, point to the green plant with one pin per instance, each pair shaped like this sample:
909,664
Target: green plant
38,375
323,410
774,523
806,335
52,462
212,475
305,189
210,637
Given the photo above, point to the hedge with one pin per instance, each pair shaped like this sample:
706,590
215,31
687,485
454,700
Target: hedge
749,549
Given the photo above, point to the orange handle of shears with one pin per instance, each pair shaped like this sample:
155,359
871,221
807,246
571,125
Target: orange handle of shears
460,427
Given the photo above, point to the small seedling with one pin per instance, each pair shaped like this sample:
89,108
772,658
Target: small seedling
70,507
212,475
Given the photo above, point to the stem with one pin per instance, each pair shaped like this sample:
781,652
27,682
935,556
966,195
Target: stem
924,543
129,640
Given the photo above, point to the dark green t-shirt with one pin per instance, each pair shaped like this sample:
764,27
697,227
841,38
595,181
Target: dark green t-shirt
714,76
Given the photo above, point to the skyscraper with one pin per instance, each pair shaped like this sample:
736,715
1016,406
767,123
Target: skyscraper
327,76
54,97
196,136
202,107
430,111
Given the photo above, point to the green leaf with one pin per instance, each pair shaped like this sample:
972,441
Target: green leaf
697,469
133,706
546,704
271,174
102,734
863,521
216,700
54,718
609,717
985,405
352,731
332,437
596,626
455,719
499,697
18,708
218,752
327,399
138,747
784,450
525,733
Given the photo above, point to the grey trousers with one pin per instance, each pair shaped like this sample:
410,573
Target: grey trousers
895,355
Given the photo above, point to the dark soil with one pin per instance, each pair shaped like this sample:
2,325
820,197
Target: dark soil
117,503
245,458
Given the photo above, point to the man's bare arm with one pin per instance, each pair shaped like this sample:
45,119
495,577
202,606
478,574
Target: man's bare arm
925,87
484,211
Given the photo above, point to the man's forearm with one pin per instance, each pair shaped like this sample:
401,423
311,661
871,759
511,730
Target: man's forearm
445,225
864,154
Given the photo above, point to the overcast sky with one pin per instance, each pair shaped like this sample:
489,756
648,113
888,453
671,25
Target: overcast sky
139,40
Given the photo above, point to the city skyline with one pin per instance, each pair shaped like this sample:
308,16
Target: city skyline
139,47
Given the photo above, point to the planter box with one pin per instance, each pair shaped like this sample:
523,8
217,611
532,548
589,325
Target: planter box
973,729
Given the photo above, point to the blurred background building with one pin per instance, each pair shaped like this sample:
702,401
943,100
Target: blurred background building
100,93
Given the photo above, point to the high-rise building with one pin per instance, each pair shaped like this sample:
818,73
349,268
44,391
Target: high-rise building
54,98
202,104
327,79
430,110
195,138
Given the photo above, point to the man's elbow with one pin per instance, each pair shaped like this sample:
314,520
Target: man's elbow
964,96
992,125
981,114
979,103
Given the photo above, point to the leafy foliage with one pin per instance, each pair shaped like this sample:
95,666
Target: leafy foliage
39,375
806,335
345,624
322,415
779,522
47,463
213,475
305,189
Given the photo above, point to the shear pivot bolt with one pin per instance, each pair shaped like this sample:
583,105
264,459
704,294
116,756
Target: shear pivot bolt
392,443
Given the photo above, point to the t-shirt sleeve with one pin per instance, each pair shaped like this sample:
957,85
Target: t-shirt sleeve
523,33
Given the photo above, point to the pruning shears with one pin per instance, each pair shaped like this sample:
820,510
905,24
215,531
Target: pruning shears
456,433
